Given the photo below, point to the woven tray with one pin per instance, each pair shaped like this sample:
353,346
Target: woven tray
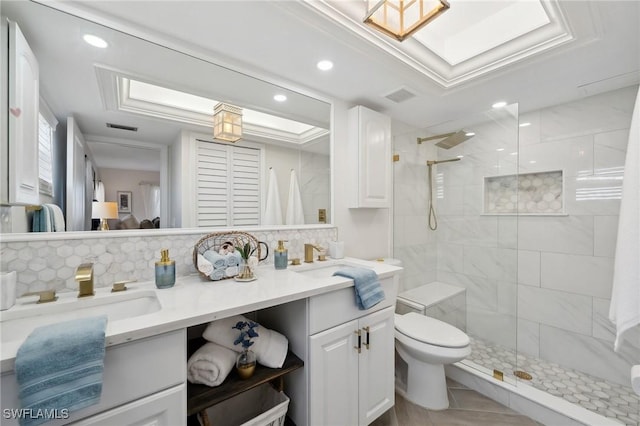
216,240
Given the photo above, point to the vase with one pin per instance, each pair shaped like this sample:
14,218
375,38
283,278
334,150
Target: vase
244,270
246,364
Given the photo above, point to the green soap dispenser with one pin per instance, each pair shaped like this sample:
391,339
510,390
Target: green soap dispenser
165,270
281,256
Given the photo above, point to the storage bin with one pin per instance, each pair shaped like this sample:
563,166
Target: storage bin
260,406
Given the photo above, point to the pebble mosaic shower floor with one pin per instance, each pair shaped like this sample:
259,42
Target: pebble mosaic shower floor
605,398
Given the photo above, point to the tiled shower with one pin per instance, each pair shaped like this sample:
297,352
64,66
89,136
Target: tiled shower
527,224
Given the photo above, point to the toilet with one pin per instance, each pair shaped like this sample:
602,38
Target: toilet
426,345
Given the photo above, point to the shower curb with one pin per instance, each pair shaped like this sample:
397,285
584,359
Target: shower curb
527,400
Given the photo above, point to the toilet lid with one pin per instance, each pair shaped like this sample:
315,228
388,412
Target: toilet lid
430,330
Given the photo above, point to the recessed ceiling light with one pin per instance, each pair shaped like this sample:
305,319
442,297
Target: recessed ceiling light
500,149
532,162
325,65
470,134
499,104
95,41
280,98
514,153
460,156
525,124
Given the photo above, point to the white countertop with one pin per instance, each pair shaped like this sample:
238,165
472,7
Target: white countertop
193,301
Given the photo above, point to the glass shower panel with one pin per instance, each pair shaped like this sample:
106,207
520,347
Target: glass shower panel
472,253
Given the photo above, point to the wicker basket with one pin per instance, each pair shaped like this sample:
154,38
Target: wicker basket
216,240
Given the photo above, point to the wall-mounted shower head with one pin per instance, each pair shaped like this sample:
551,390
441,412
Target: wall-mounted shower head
449,140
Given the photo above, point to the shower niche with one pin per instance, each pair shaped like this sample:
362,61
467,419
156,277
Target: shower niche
540,193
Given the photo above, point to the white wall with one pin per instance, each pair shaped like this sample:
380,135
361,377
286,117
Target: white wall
115,180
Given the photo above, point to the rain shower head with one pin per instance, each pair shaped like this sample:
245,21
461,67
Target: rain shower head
449,140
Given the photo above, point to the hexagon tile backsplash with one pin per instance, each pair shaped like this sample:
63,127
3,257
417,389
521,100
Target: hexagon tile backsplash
51,264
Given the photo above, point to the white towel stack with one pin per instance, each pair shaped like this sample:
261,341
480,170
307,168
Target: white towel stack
270,346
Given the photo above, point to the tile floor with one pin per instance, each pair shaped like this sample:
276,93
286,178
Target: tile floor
605,398
466,408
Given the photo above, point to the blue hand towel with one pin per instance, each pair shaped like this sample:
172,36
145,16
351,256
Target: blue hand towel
217,260
59,366
233,258
368,290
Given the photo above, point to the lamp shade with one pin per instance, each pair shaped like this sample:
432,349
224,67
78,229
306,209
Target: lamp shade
104,210
227,122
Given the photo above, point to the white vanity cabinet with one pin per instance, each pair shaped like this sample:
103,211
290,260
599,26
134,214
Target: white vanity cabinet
351,371
143,384
369,151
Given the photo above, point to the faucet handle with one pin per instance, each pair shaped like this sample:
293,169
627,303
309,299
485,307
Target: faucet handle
121,285
46,296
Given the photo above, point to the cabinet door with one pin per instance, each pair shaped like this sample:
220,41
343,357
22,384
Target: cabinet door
333,375
377,388
24,100
373,141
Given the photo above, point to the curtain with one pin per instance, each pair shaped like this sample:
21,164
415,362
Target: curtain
150,200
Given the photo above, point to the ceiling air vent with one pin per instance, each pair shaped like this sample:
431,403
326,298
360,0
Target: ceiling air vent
122,127
400,95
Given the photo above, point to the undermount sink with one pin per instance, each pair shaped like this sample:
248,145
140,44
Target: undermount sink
325,269
17,322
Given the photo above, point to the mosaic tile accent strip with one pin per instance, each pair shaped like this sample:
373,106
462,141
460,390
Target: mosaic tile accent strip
528,193
608,399
50,264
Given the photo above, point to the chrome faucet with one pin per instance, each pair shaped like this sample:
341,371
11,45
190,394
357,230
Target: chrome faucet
84,277
308,252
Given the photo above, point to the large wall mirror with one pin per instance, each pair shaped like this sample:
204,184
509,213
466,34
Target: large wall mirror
134,120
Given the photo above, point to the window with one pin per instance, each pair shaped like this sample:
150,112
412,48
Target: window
228,185
46,126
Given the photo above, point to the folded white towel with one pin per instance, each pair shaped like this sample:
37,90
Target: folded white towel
232,259
218,261
217,274
270,346
204,265
231,271
210,364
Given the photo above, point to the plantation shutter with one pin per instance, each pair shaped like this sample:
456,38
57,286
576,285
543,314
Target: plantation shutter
228,185
45,156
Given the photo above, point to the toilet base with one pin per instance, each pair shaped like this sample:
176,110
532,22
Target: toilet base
427,386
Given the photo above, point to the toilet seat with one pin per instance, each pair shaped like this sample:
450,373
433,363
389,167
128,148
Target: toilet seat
430,331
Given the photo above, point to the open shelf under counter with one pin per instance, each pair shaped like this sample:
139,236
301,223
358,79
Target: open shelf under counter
200,397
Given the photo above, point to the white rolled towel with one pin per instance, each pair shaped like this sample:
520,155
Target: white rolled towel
210,364
270,346
218,261
204,265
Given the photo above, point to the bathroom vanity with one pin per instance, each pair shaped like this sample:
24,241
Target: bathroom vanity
145,363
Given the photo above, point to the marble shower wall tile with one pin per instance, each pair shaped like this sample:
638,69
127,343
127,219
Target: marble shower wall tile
529,337
568,234
587,275
586,354
572,312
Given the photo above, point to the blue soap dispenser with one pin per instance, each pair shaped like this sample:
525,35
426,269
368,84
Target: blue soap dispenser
165,270
281,256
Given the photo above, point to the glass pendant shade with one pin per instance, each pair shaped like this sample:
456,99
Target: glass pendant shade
401,18
227,122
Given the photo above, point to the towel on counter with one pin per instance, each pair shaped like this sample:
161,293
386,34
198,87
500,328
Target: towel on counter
270,346
624,310
59,366
204,265
231,271
217,274
233,258
368,290
210,364
217,260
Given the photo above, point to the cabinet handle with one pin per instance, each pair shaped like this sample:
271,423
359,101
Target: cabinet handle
367,341
359,347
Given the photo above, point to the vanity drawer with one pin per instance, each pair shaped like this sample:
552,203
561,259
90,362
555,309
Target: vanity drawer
337,307
131,371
